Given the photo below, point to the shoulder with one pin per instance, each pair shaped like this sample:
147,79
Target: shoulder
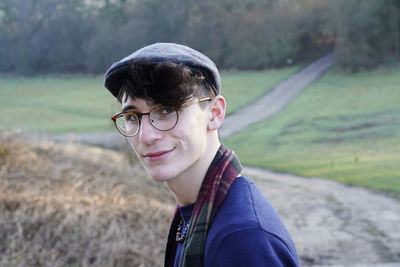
247,224
245,207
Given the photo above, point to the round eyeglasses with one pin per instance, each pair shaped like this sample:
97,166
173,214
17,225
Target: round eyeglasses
162,118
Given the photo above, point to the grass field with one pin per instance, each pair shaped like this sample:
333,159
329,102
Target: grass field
82,104
344,127
241,88
55,104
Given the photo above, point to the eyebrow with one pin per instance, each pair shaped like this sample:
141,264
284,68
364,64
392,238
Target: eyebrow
130,107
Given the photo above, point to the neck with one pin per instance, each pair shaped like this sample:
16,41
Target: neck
186,187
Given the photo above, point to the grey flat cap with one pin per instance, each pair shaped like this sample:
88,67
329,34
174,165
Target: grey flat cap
163,52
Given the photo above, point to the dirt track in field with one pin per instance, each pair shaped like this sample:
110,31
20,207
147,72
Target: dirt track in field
332,223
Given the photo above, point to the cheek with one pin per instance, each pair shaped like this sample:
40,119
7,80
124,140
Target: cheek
193,139
195,125
190,134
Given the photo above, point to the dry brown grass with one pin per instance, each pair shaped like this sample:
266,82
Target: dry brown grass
70,205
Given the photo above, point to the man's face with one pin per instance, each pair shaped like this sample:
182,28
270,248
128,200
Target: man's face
174,153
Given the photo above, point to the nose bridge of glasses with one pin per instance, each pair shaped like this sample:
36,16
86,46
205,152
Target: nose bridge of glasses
140,117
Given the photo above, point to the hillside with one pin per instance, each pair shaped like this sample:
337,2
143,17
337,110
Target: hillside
74,205
343,127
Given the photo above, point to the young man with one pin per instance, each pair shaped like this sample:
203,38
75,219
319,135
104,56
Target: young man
171,111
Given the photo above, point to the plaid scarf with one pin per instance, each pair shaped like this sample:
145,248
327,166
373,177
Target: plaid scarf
220,176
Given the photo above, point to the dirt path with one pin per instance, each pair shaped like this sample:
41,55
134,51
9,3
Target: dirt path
332,223
276,99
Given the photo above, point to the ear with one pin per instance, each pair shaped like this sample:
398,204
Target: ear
217,109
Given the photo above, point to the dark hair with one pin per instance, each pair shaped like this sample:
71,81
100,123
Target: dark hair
165,83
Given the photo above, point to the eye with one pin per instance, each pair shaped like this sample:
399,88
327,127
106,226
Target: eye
166,110
130,117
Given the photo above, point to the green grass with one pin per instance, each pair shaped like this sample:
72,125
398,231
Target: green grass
343,127
55,104
81,103
243,87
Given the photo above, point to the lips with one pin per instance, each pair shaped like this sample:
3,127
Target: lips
158,155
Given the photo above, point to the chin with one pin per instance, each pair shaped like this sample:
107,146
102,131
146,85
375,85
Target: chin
159,175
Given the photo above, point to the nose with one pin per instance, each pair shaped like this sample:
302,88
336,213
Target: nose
147,133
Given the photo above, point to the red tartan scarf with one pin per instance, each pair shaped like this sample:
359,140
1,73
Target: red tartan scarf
220,176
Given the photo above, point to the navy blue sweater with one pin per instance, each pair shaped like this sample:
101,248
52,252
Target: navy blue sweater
246,231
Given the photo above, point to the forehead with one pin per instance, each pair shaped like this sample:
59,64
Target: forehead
138,103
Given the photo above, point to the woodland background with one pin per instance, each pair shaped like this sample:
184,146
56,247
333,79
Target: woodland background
84,36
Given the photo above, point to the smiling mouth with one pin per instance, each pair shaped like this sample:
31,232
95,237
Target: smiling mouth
159,155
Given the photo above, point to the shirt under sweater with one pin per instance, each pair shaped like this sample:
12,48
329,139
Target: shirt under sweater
246,231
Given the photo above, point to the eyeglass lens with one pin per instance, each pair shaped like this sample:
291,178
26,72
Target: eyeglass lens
162,118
